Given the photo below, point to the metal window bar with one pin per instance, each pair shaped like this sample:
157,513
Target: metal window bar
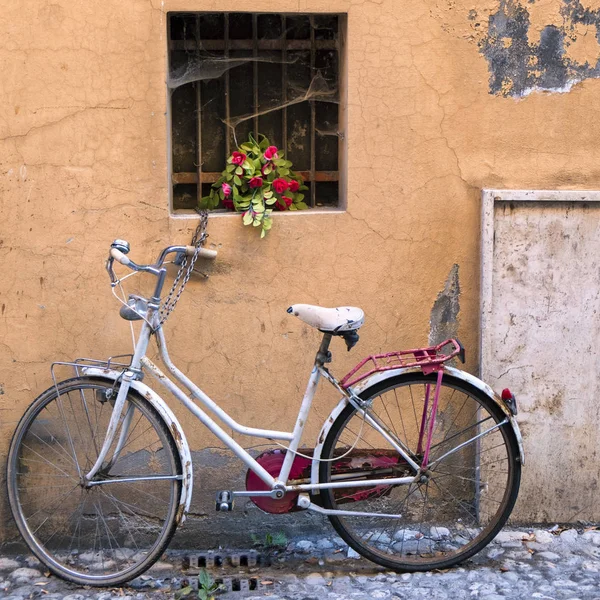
312,176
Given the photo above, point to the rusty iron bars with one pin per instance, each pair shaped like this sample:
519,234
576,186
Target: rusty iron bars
310,172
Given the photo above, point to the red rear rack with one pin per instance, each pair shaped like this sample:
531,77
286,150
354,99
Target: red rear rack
429,359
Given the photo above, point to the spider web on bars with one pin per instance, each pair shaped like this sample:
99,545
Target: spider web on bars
246,87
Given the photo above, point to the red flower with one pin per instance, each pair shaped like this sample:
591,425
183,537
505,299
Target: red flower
271,153
294,185
238,158
284,203
256,182
280,185
228,204
226,189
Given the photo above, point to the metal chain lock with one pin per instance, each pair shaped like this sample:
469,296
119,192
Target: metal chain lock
185,269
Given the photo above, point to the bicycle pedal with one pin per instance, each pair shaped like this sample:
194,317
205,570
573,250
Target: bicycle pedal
224,501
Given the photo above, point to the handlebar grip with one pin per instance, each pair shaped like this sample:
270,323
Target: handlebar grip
119,256
202,252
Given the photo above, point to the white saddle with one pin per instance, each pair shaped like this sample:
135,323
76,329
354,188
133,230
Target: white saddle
343,318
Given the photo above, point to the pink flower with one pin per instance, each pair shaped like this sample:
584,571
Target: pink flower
271,153
284,203
255,182
228,204
226,189
280,185
294,185
238,158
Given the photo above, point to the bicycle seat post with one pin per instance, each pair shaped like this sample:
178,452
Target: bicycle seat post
324,355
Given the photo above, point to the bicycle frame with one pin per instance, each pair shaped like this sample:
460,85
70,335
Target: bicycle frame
277,484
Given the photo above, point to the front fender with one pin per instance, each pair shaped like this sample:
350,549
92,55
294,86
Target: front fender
173,425
364,385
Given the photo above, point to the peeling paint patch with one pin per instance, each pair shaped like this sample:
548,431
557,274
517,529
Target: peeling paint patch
1,390
444,313
530,50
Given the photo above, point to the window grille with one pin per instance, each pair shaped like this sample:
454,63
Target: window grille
231,74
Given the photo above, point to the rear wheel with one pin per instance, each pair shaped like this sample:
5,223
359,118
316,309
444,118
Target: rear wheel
106,533
463,499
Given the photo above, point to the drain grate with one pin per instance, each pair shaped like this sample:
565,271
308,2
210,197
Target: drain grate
213,558
239,584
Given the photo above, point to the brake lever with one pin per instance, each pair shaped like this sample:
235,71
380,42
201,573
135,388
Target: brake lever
111,271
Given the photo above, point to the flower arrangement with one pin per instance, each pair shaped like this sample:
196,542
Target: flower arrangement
256,181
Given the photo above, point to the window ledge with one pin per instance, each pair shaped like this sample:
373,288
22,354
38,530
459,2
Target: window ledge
324,210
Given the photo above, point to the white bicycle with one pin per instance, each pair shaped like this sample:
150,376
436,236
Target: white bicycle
417,467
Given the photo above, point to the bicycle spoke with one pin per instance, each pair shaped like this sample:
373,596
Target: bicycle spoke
56,515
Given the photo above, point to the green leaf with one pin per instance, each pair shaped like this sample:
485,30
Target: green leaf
237,180
292,207
268,194
248,165
267,224
229,177
247,218
202,595
279,162
283,171
204,579
299,197
303,188
209,202
246,147
264,143
270,201
300,205
287,163
268,169
221,194
263,233
239,171
183,592
259,208
230,168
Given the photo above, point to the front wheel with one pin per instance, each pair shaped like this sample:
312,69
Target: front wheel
106,533
461,502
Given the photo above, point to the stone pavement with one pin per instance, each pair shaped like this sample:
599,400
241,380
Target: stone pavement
519,564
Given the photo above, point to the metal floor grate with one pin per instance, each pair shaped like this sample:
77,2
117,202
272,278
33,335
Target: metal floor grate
214,558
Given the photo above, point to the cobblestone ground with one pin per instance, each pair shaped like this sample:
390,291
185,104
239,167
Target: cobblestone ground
519,564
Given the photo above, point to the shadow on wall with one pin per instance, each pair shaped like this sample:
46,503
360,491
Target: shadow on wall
533,50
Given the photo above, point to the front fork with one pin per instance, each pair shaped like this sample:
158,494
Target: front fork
129,375
113,425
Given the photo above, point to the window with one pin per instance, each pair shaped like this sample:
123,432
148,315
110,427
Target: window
232,74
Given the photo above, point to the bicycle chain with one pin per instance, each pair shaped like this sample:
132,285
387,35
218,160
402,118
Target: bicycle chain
185,269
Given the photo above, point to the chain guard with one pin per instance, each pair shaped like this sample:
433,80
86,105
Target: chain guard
272,461
383,462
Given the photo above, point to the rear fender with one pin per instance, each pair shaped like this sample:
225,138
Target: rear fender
172,424
363,387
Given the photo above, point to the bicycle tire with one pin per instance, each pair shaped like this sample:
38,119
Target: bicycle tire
112,532
468,495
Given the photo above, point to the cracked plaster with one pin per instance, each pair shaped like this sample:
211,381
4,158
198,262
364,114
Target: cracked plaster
83,160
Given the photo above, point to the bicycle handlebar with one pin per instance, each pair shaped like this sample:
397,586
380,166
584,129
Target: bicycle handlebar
202,252
120,248
119,256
